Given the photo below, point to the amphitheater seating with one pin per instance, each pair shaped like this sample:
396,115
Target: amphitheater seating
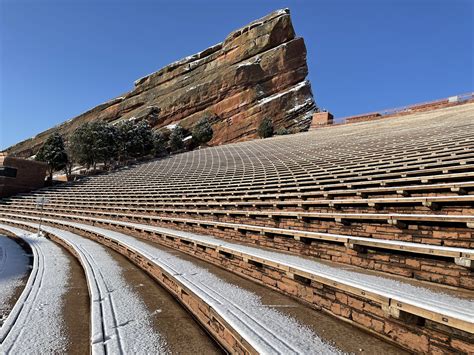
392,196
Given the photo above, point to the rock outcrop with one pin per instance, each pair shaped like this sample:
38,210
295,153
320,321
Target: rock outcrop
257,71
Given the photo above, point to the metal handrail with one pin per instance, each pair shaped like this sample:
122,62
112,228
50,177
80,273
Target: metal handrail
391,111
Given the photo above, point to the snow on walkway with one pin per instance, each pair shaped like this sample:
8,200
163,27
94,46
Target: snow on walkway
122,321
119,319
267,330
35,323
14,266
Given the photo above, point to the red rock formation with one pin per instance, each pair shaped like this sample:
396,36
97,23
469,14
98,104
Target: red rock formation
257,71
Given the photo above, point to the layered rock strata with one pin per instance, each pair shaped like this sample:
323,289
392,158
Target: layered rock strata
257,71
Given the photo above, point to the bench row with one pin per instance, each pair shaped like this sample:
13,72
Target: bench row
387,300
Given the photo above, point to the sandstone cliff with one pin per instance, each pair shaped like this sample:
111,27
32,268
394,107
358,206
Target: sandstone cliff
257,71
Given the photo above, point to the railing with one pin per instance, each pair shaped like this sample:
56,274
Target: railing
393,111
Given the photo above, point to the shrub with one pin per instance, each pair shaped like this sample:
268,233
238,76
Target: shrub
176,139
159,144
282,131
265,128
202,132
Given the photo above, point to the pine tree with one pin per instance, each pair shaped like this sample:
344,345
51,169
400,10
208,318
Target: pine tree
135,139
282,131
176,139
159,144
265,129
53,153
104,142
202,132
94,142
82,146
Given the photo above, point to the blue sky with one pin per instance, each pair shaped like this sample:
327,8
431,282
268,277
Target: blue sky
59,58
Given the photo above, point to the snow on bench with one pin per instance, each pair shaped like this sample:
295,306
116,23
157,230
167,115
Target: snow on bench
462,256
421,301
35,322
424,298
267,330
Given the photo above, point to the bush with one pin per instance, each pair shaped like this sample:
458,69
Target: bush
282,131
265,129
53,152
176,139
202,132
160,141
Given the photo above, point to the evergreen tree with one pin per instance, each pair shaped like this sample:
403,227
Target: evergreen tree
265,129
135,139
202,132
82,146
70,160
94,142
176,139
105,142
53,153
159,144
282,131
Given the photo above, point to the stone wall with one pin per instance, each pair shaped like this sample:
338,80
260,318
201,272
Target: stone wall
258,71
29,175
321,119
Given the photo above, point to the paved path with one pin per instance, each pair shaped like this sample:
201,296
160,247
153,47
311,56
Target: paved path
35,323
14,268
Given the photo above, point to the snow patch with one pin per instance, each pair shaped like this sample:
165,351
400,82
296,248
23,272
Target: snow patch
280,94
253,61
307,102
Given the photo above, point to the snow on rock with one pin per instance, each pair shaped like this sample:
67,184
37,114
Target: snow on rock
13,268
35,324
253,61
184,86
305,103
280,94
